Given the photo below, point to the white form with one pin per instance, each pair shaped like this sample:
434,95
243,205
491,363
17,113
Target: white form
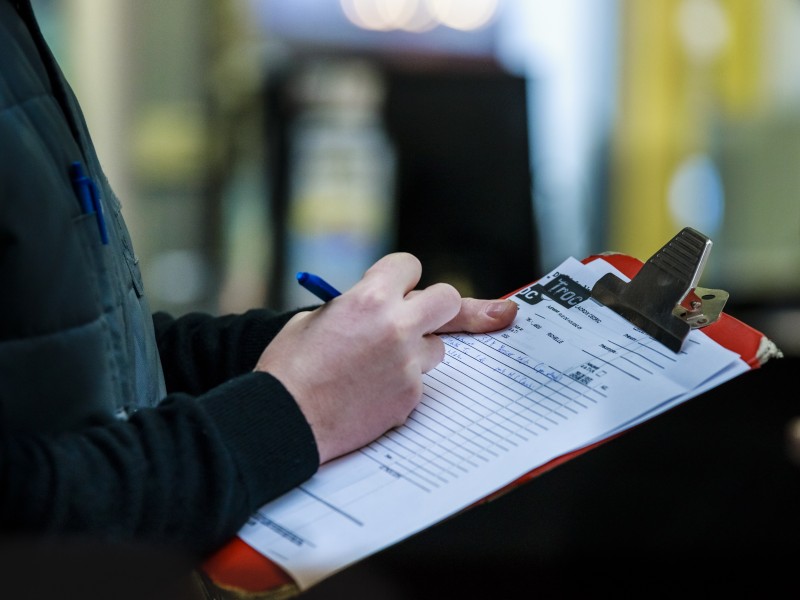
565,374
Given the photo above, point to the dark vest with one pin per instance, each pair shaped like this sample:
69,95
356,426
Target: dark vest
76,335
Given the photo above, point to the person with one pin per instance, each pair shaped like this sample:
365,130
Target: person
123,424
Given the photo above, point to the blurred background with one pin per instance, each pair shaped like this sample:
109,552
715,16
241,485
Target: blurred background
249,139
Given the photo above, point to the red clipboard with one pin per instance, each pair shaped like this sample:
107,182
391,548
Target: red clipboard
238,572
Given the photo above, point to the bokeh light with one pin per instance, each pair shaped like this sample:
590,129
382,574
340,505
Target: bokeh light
419,15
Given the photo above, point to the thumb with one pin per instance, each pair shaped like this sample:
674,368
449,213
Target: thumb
480,316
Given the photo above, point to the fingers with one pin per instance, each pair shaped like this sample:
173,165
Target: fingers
480,316
390,283
395,276
396,273
433,306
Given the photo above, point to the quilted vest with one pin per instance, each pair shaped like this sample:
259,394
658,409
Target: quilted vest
76,335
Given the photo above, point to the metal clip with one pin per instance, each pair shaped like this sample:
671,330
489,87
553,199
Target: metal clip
663,299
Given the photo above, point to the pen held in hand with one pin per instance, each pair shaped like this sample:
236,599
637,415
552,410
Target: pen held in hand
317,286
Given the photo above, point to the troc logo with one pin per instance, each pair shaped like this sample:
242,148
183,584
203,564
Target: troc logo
561,288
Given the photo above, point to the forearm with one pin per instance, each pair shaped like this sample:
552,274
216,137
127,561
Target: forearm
199,351
187,473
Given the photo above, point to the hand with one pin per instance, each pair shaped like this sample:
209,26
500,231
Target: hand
355,365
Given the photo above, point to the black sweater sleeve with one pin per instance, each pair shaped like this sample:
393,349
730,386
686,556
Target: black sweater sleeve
199,351
186,473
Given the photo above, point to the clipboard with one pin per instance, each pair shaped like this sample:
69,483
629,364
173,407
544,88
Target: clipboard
662,298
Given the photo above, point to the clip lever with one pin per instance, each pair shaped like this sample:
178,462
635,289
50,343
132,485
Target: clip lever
662,299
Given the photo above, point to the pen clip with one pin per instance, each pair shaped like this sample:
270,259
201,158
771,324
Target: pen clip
89,196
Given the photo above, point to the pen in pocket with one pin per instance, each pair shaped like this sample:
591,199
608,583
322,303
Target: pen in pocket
87,192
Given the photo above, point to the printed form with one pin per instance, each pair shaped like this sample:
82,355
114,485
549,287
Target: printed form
567,373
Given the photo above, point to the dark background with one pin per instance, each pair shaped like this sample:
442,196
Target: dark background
463,183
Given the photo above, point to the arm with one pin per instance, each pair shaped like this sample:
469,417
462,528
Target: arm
190,471
199,351
187,473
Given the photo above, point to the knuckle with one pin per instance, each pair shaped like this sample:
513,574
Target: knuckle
372,299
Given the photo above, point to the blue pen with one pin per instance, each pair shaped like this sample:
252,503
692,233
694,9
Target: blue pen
317,286
89,196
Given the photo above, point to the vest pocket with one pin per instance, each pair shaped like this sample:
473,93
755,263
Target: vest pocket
96,254
127,249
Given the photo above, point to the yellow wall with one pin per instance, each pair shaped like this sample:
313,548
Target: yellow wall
669,101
